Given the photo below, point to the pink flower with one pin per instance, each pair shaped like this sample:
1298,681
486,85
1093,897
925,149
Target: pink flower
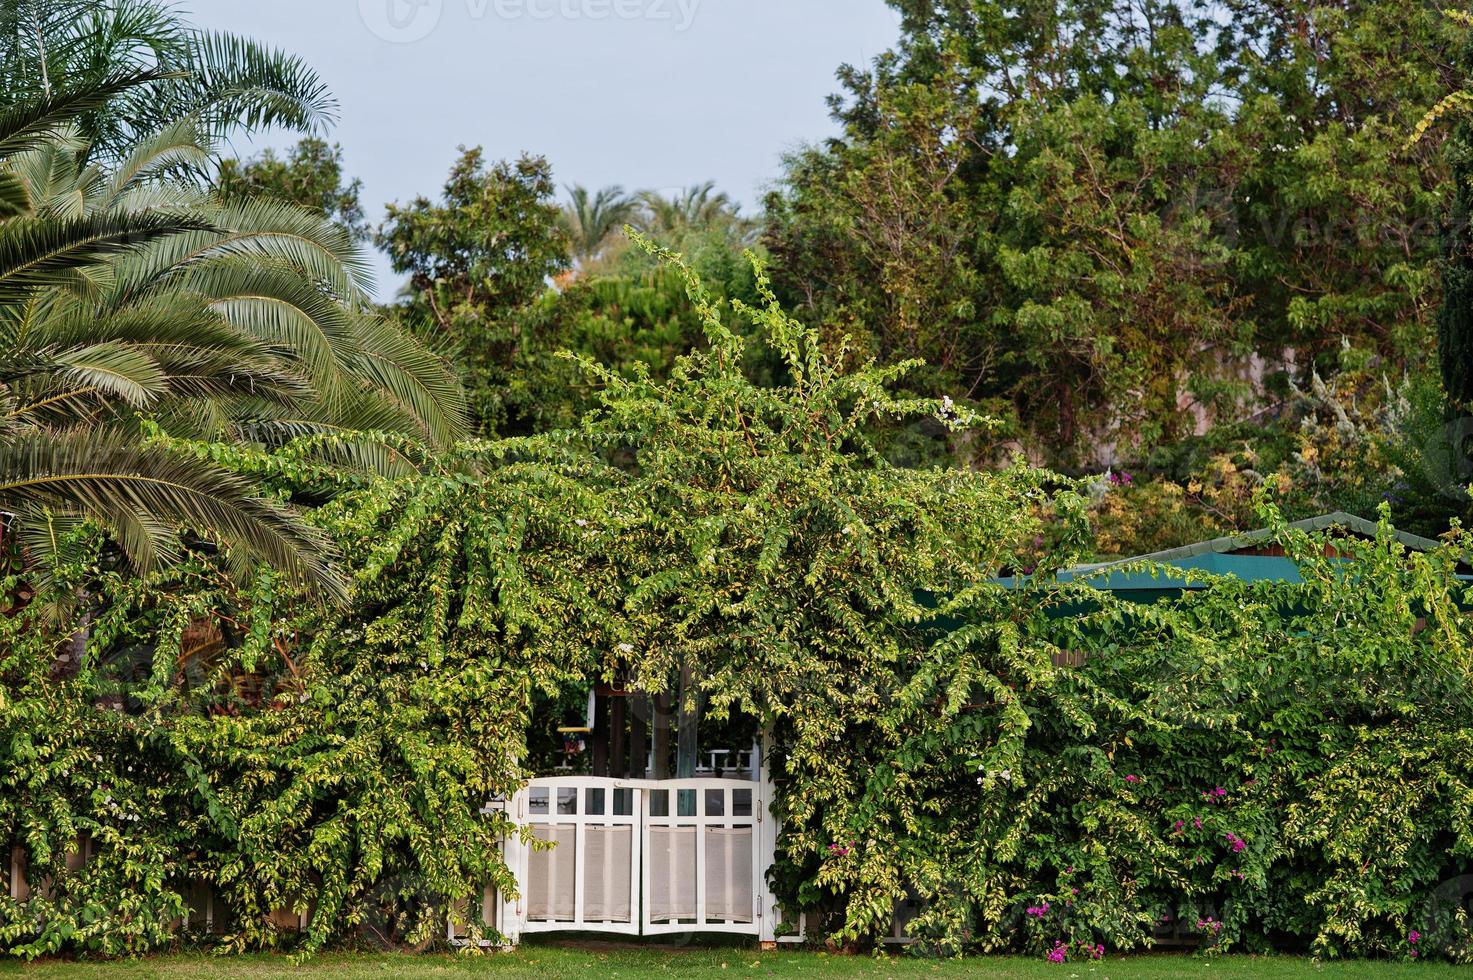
1413,936
1132,779
838,850
1038,911
1058,953
1236,843
1093,950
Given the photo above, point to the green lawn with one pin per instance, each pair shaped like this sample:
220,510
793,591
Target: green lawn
606,964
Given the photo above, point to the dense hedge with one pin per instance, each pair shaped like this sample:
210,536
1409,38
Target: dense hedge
1251,766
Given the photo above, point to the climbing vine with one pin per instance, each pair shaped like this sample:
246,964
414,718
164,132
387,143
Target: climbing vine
1012,761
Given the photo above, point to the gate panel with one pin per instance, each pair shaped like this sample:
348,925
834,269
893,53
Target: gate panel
588,880
700,872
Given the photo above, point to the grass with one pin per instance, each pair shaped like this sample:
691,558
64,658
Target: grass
608,963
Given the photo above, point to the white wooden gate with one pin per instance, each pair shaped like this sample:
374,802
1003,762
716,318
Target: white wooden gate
588,880
640,857
702,870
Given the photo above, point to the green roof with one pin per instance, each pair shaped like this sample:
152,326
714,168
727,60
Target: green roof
1237,542
1173,575
1215,557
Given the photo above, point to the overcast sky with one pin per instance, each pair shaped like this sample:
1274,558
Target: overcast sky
654,94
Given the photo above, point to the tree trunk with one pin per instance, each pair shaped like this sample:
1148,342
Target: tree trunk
662,736
686,747
638,737
618,751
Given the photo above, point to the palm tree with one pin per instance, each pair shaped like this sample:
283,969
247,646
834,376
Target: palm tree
592,220
700,208
694,206
128,294
219,81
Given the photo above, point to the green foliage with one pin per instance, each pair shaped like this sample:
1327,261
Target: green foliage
311,176
1105,223
220,83
478,261
927,743
771,536
195,740
1253,765
506,279
296,757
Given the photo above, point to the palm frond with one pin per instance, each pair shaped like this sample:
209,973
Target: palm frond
113,370
34,249
158,494
262,229
231,81
275,304
27,124
422,384
176,146
592,219
13,197
222,82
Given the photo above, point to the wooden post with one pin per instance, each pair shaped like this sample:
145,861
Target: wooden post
686,748
766,846
618,750
600,735
638,737
662,736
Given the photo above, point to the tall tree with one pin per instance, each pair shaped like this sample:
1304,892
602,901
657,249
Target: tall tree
1112,223
593,220
310,175
128,298
479,259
